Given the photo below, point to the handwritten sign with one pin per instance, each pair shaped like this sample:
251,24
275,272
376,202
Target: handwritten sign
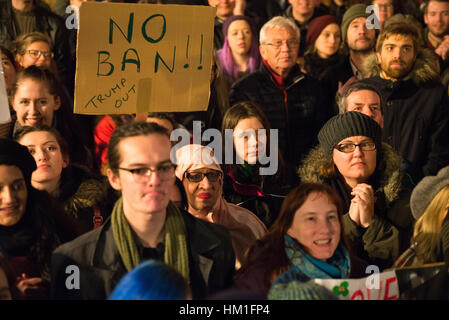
380,286
5,115
134,58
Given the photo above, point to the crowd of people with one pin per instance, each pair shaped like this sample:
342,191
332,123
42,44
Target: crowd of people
348,101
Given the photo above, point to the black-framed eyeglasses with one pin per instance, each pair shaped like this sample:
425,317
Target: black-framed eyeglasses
349,147
37,53
291,43
141,175
196,177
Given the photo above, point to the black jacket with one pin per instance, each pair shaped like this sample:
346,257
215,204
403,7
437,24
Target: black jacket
298,111
416,115
212,261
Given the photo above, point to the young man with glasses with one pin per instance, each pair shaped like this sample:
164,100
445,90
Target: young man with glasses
294,103
144,224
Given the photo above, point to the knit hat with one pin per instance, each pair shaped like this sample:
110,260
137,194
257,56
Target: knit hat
347,125
356,11
426,190
317,25
14,154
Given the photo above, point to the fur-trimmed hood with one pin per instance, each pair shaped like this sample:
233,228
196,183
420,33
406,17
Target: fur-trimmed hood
81,191
391,181
425,69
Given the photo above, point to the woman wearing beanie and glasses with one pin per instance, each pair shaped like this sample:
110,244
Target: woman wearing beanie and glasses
367,175
324,46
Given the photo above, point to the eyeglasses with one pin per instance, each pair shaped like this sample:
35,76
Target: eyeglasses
37,53
291,43
141,175
196,177
350,147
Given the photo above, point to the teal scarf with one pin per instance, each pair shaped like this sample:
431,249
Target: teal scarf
337,267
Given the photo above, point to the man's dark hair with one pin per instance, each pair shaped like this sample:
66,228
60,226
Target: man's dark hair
133,129
364,84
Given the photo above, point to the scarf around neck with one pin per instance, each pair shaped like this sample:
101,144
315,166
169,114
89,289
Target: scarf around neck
176,252
337,267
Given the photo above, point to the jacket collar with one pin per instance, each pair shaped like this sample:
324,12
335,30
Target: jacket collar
426,67
292,78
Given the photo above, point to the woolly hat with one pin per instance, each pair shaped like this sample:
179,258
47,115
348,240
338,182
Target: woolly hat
317,25
347,125
356,11
426,190
14,154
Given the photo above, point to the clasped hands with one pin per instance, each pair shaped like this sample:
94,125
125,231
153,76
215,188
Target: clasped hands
361,210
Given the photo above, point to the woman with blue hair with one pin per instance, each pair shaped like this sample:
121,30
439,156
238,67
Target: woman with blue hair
240,52
152,280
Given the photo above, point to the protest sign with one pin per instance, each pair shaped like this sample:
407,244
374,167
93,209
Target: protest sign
379,286
134,58
5,115
424,282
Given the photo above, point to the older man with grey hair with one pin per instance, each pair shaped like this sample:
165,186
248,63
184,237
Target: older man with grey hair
294,103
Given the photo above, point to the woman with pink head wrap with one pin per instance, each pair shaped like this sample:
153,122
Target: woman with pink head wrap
202,178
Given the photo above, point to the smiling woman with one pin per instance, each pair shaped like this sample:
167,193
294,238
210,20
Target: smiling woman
27,222
306,239
368,176
38,99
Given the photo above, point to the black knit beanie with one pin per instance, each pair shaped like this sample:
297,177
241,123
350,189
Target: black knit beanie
14,154
347,125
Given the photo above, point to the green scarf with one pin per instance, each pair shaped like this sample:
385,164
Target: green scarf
175,253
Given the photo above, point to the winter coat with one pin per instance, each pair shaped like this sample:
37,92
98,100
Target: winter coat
262,195
416,115
317,67
86,198
298,111
390,230
100,266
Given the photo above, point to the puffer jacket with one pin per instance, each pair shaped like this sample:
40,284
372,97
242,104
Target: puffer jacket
391,228
416,115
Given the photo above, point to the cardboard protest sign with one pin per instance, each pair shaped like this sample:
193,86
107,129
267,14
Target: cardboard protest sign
5,115
424,282
134,58
378,286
